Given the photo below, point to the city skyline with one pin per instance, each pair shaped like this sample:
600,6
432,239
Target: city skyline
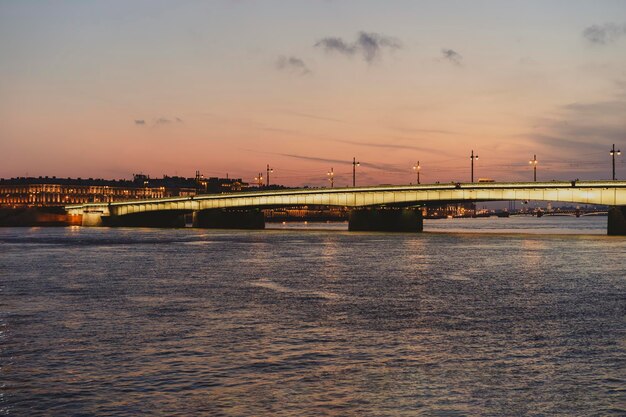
109,89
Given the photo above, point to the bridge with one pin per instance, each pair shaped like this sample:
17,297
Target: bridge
385,207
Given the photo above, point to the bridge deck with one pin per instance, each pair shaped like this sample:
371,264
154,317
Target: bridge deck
583,192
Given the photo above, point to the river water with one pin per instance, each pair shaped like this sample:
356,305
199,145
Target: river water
467,318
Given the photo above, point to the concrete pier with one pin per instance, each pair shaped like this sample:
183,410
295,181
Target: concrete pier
90,219
164,219
386,220
617,221
229,219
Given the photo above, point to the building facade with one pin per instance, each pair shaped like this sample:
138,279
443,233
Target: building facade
38,194
52,191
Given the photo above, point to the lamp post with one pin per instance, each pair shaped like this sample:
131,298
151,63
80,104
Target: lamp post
354,165
331,177
417,170
259,180
267,177
472,157
612,152
533,162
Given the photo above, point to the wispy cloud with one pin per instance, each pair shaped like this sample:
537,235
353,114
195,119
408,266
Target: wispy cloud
452,56
140,122
590,123
315,159
369,45
604,34
314,116
384,145
280,130
332,44
582,131
292,64
554,139
428,131
165,121
378,166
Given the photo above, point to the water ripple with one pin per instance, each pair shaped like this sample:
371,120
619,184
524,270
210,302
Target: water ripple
185,322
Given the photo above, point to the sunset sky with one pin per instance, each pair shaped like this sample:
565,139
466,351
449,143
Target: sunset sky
111,88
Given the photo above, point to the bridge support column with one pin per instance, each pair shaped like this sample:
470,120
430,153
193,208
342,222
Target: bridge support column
617,221
386,220
91,219
163,219
229,219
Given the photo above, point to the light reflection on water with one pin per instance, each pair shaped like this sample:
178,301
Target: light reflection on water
126,321
595,225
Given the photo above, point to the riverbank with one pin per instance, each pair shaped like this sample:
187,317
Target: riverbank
34,216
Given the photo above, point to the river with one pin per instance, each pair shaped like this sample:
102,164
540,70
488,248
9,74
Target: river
517,316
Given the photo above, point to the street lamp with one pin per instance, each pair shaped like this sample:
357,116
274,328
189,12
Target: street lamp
472,157
612,152
533,162
267,177
354,165
417,170
331,177
259,180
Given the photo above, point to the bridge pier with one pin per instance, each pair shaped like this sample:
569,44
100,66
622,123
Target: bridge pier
229,219
386,220
163,219
89,219
617,221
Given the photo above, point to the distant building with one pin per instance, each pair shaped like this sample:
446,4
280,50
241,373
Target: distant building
52,191
215,185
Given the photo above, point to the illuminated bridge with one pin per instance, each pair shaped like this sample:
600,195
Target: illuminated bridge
385,207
